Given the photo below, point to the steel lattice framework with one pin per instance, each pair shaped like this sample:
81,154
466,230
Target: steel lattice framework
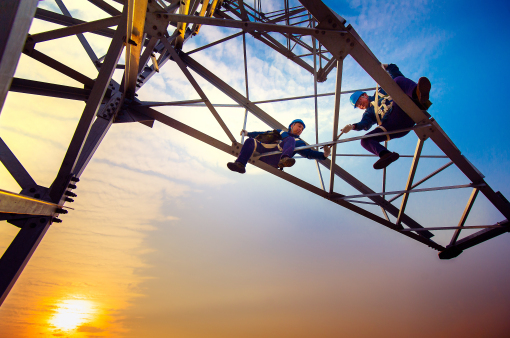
152,32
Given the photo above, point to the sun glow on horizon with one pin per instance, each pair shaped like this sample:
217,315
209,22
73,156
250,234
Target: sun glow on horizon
71,313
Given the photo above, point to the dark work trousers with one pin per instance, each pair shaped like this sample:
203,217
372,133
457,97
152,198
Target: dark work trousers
396,120
251,145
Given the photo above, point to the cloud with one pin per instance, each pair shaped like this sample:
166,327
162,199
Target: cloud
88,328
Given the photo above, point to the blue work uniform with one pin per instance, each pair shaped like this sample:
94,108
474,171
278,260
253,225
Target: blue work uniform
286,146
394,119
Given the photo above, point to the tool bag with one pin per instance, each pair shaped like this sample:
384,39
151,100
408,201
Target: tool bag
270,137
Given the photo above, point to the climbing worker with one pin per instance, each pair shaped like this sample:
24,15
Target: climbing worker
381,109
276,140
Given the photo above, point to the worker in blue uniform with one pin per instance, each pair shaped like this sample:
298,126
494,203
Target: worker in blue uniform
381,109
276,140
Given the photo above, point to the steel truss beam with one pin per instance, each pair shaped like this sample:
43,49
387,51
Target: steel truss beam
59,19
15,19
96,97
234,150
271,122
14,167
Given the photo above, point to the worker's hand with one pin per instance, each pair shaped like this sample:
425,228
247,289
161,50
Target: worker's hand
327,151
347,128
384,66
244,133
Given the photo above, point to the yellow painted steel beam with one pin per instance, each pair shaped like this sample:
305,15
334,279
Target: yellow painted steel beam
196,26
181,26
18,204
134,41
207,11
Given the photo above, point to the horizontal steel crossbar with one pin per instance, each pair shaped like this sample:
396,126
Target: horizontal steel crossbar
348,139
471,185
464,227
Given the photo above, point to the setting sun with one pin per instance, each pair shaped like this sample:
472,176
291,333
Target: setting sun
72,313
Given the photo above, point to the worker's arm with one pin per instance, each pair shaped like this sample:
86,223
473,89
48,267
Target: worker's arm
367,121
310,153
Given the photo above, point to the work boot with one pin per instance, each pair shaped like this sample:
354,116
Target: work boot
423,90
237,166
286,162
386,160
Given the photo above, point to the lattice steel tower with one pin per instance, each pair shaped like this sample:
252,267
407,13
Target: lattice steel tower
152,32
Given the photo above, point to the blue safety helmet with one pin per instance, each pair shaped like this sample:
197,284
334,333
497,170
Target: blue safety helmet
297,120
355,96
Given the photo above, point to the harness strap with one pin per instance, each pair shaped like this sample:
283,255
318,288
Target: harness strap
387,135
381,110
254,148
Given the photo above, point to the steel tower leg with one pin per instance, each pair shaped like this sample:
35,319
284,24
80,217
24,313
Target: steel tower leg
15,19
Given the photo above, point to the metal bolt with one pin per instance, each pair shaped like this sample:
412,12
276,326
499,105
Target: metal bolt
348,40
159,34
323,32
72,186
32,190
61,211
56,220
334,25
37,195
155,27
158,16
352,44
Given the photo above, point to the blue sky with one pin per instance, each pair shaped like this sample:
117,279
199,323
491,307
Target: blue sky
166,241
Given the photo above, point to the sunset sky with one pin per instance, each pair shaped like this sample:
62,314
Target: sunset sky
165,241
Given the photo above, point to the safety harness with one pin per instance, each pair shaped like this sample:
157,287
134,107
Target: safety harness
382,108
270,140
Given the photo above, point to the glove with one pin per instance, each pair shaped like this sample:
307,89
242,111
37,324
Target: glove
347,128
327,151
243,133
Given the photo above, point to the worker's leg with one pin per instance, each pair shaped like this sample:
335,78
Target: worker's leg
288,145
407,85
373,144
418,92
286,159
247,151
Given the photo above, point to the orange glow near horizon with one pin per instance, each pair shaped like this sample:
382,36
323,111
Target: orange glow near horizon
72,313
